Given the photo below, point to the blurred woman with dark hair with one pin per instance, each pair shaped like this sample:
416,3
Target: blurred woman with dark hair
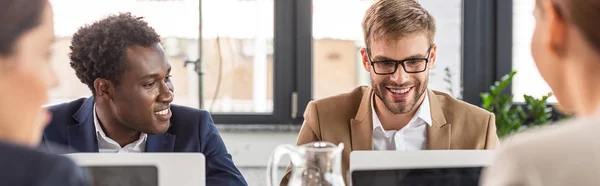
566,51
26,76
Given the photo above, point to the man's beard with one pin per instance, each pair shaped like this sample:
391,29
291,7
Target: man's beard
404,106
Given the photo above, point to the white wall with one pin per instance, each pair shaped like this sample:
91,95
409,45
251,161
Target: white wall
251,152
448,15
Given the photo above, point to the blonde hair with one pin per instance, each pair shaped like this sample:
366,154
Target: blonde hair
394,19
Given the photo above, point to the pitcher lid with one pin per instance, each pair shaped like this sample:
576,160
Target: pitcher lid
322,146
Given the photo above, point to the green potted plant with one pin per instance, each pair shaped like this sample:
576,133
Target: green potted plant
539,113
510,117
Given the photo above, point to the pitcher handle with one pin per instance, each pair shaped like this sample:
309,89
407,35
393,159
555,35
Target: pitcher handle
274,163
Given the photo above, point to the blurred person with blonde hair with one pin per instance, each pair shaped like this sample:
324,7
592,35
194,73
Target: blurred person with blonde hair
26,76
566,50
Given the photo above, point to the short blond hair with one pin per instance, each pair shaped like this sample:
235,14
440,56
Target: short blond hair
394,19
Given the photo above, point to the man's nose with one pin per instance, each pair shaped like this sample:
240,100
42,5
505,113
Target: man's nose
166,93
400,75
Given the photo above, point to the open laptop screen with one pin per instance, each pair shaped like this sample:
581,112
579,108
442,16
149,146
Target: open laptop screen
427,167
123,175
464,176
148,169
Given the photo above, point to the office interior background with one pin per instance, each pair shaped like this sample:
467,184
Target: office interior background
255,64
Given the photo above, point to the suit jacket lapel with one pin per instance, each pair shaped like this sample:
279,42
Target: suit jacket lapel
82,136
438,134
361,127
160,143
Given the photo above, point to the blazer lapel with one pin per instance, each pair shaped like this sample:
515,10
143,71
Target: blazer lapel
82,136
160,143
438,134
361,127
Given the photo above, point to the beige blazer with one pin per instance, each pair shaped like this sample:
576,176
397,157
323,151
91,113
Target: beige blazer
347,118
562,154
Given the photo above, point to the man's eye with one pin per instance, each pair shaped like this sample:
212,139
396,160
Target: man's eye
149,84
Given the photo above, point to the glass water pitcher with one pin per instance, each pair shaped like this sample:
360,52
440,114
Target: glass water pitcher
313,164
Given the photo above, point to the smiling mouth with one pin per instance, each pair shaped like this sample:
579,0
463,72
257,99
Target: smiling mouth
163,115
399,91
162,112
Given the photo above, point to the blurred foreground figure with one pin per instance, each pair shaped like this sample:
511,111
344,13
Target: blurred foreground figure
566,50
26,37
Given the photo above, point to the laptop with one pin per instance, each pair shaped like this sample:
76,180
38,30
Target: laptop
428,167
143,169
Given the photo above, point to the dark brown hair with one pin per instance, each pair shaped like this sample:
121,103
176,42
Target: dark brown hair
394,19
16,18
584,14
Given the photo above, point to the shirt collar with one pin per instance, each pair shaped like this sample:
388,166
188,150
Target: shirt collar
424,113
102,136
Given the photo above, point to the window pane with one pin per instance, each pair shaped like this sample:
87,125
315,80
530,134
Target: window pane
241,81
338,38
528,80
238,69
179,40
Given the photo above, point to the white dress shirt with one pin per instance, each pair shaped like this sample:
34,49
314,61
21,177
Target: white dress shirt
411,137
108,145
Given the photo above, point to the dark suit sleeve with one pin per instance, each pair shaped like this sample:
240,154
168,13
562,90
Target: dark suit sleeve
220,169
43,144
61,171
54,148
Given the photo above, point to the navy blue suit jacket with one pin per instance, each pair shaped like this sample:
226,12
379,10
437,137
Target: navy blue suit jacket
191,130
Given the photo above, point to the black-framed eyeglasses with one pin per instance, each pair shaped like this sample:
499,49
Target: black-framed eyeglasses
410,65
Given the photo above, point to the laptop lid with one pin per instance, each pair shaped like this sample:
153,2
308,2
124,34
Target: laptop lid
430,167
148,169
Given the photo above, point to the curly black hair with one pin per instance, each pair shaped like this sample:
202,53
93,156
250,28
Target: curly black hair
98,50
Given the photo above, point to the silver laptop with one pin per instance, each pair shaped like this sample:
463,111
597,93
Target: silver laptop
147,169
428,167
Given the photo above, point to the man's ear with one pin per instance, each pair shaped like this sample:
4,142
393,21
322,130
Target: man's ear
104,88
432,56
557,27
365,59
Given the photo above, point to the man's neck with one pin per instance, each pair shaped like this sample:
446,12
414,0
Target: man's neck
113,128
391,121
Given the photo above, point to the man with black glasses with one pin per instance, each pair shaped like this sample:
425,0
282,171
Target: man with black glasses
398,111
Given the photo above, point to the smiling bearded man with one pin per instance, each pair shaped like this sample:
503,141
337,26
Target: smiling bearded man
398,111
